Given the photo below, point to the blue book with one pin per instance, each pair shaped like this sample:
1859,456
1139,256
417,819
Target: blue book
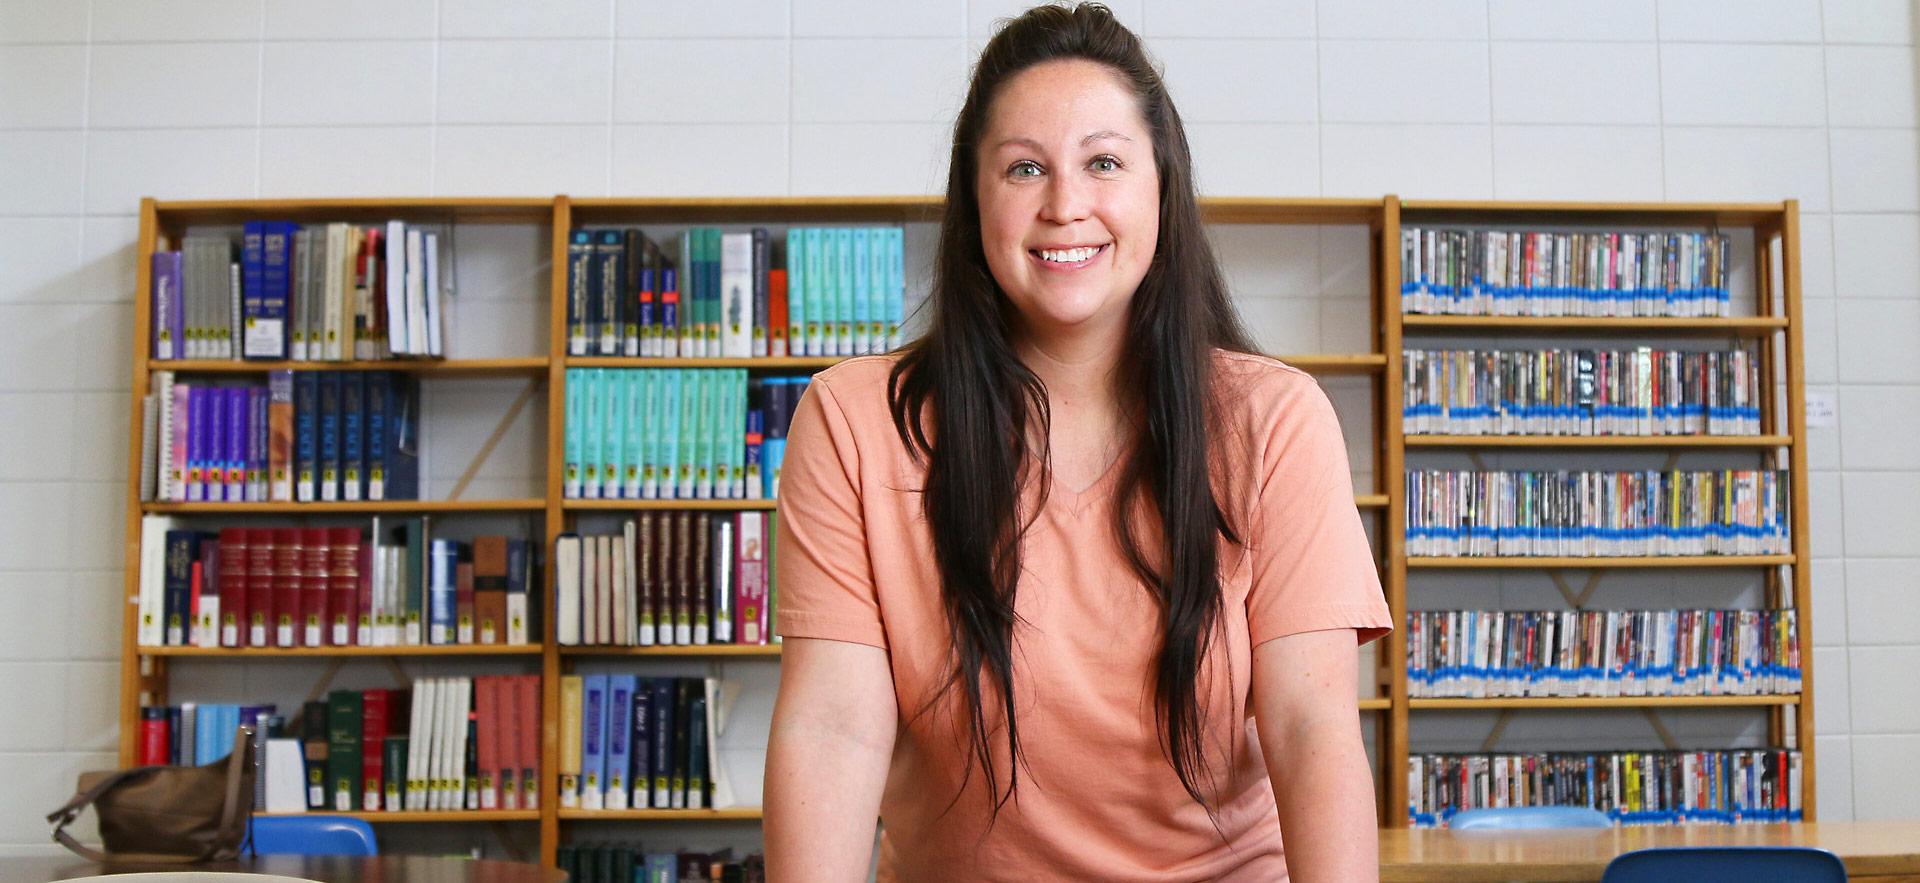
669,340
662,743
306,436
755,439
580,266
353,436
329,435
213,450
640,746
257,442
234,401
669,419
592,416
252,282
796,293
442,585
593,738
662,867
620,689
377,400
267,335
198,422
403,436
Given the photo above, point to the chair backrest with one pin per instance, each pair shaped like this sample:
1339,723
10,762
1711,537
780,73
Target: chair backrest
313,835
1726,864
1512,817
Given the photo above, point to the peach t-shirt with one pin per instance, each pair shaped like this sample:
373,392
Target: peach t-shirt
1097,796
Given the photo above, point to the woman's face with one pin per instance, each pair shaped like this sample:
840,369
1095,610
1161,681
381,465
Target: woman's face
1069,196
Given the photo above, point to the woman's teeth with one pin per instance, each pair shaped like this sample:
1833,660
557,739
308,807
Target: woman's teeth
1067,255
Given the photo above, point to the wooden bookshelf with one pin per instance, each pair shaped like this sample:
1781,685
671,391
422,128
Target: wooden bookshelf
1773,329
145,670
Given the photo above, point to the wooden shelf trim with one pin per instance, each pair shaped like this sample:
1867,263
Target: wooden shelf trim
677,650
431,367
456,815
331,652
369,508
1599,561
1599,441
1604,702
1376,704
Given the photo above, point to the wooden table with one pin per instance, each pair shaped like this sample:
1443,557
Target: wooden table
328,868
1874,852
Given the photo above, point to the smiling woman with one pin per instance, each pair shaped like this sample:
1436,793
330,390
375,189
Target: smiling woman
1040,569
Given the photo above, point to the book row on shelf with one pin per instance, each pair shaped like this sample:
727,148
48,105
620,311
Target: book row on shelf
1636,392
599,862
1596,513
685,578
392,585
1482,653
676,433
1630,787
1548,273
628,742
819,291
315,292
307,436
445,744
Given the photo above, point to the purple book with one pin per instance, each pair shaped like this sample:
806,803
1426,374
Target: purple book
236,446
168,320
256,444
213,457
199,440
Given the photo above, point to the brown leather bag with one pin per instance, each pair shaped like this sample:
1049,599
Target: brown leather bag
166,814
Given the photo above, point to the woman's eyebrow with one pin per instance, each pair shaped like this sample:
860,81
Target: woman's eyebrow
1102,135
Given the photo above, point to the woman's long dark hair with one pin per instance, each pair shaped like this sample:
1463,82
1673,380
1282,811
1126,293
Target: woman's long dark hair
964,378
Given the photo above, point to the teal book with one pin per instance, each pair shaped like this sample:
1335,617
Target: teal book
633,443
796,293
895,313
590,414
843,290
701,311
669,431
722,436
819,297
714,319
576,407
689,429
737,432
862,290
649,419
614,398
703,435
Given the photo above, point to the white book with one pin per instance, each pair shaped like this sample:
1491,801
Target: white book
388,629
206,621
419,743
456,743
736,295
435,278
286,779
720,698
164,486
330,293
297,304
151,631
396,294
566,577
443,702
416,277
589,590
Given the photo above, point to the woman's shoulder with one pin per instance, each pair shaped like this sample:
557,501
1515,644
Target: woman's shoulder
1261,386
859,382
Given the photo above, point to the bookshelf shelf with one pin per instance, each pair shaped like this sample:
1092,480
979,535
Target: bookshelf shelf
425,367
1599,561
668,505
359,508
1376,704
1337,363
1599,441
467,816
1754,326
341,652
1370,501
1538,702
694,650
751,814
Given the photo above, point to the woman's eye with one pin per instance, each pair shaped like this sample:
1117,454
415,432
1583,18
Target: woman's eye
1024,169
1105,164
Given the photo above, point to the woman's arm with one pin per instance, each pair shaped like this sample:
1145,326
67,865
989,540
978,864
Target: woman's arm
1309,722
827,758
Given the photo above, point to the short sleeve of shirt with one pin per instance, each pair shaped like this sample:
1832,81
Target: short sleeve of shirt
1312,568
822,571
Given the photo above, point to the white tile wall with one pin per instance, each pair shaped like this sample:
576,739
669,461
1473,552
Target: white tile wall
103,103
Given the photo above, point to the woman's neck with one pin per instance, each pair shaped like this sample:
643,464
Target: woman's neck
1084,398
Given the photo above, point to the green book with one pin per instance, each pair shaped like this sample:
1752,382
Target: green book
689,272
590,433
711,276
613,425
344,709
576,403
737,432
689,429
668,394
633,439
393,771
414,578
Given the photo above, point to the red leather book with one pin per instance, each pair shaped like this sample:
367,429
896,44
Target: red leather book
347,593
373,738
486,705
507,710
287,563
235,558
313,586
777,344
260,587
528,701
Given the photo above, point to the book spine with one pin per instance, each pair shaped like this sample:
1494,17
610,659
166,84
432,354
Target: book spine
750,608
353,445
306,435
669,341
580,266
166,272
572,735
463,601
862,308
608,275
619,732
234,448
762,292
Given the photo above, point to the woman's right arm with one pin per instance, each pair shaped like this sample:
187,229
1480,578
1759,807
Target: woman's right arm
827,758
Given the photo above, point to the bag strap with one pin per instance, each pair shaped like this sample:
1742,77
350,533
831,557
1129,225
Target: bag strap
237,762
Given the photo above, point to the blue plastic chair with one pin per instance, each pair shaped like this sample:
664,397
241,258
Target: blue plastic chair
1525,817
312,835
1726,864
